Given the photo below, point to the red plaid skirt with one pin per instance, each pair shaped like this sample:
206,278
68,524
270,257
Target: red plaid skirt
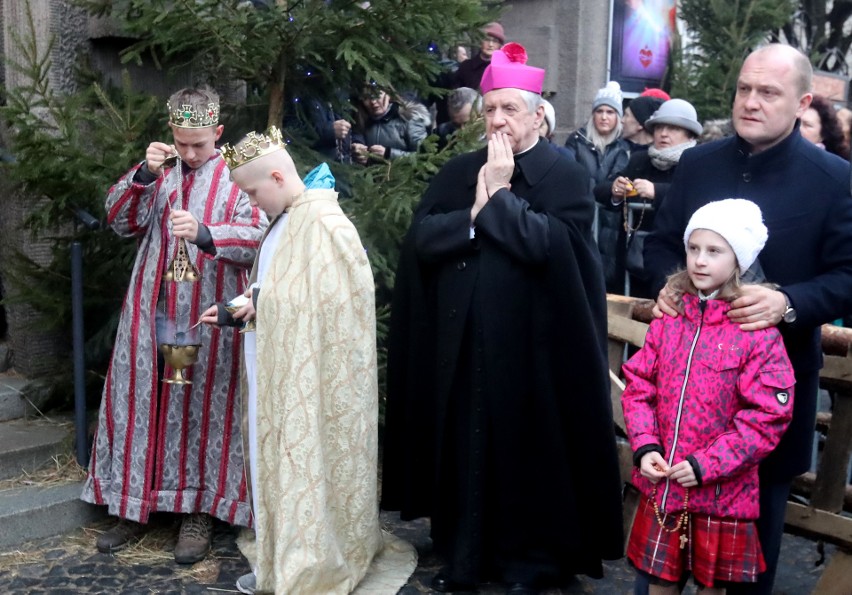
717,549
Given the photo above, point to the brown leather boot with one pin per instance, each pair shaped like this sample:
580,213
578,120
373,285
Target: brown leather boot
195,538
122,534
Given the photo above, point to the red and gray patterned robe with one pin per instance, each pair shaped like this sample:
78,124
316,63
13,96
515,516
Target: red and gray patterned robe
181,451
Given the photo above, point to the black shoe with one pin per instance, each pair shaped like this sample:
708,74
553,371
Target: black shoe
444,584
521,589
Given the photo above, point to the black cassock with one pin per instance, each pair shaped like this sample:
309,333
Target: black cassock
498,421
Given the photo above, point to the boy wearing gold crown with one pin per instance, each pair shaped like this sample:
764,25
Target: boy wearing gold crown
312,406
176,447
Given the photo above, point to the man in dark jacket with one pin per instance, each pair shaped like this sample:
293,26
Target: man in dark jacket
499,421
804,195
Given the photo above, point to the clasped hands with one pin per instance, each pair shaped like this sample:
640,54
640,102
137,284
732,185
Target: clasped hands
496,172
622,185
362,152
654,467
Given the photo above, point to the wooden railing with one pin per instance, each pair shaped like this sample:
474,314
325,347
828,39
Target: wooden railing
827,490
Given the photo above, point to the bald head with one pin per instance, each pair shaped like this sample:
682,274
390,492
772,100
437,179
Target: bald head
803,72
279,160
773,91
270,181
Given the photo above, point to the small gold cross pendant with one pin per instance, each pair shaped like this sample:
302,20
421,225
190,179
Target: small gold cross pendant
683,540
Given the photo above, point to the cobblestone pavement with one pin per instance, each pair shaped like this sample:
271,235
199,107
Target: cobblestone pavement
70,564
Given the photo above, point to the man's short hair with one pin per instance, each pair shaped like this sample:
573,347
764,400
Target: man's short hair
459,98
202,95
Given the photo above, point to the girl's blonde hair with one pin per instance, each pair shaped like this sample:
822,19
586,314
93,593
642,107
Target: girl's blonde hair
680,283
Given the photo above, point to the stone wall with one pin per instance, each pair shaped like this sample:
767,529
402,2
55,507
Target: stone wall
34,350
569,38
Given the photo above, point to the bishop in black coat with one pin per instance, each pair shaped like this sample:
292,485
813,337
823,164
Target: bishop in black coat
499,421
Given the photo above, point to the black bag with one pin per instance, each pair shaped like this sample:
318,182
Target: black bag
609,226
635,261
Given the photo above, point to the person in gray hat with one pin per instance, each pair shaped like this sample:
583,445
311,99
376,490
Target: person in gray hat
645,181
676,112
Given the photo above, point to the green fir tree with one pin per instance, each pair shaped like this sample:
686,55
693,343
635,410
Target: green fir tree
70,148
720,35
294,48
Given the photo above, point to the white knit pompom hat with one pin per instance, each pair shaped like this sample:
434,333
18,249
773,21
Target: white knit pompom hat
609,95
737,220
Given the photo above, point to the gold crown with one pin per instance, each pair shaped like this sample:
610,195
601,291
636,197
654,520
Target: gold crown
187,115
253,146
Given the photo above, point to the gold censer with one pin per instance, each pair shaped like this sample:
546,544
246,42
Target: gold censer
181,353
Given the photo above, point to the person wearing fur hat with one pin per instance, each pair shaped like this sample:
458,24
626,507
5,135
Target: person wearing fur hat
387,129
646,180
498,400
705,402
469,72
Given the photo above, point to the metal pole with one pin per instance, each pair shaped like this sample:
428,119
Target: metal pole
80,422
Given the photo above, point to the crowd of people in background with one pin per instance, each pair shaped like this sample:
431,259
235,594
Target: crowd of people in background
632,143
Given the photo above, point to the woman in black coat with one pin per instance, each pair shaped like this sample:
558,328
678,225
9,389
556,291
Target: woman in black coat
645,181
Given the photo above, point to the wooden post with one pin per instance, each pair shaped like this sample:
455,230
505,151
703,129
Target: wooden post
617,310
830,485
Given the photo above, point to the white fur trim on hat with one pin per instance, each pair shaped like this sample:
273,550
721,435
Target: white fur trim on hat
737,220
549,116
611,96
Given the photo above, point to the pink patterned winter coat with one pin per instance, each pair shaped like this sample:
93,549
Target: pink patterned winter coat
703,390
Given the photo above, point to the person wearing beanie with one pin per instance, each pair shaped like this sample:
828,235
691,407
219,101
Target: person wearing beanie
804,194
645,182
636,114
697,441
469,72
599,148
598,145
500,243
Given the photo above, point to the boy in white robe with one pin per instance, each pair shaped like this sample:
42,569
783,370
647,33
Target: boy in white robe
312,401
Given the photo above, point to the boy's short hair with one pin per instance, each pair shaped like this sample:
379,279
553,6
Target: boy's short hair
194,107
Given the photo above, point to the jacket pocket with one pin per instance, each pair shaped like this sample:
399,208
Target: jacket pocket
779,377
725,357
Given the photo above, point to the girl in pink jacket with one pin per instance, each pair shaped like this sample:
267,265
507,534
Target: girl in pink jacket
704,403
